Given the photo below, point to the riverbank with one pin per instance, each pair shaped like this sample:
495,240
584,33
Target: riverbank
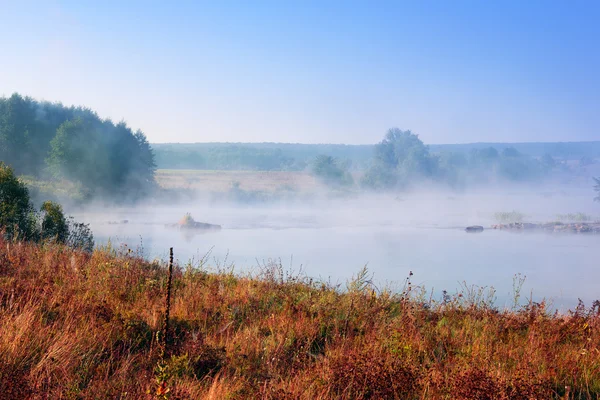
85,326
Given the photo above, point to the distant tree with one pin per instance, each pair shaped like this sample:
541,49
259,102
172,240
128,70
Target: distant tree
510,152
400,158
331,171
597,189
548,161
41,139
453,168
485,156
17,217
105,158
17,133
77,154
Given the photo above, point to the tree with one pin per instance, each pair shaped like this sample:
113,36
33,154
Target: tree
37,138
107,159
597,189
400,158
54,225
510,152
77,154
330,170
17,217
548,161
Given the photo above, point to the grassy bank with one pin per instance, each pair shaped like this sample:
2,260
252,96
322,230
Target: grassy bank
74,325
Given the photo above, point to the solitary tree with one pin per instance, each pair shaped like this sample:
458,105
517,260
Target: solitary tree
400,157
597,189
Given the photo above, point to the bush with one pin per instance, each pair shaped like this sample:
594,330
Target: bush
54,224
17,217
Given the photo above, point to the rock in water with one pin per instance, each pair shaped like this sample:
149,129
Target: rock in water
474,229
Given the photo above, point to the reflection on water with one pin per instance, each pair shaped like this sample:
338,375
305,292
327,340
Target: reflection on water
333,240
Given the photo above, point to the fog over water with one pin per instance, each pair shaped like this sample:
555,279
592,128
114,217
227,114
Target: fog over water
421,231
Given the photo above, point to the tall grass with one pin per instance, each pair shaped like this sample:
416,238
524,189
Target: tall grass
76,325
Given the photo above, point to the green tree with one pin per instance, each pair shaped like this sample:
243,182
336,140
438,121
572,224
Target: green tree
331,171
17,217
54,224
400,158
77,154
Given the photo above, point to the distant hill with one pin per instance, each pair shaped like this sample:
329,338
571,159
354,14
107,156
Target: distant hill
296,156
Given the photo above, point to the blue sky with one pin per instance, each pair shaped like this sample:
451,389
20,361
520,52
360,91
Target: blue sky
314,72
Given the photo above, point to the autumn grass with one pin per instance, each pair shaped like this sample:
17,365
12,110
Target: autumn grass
77,325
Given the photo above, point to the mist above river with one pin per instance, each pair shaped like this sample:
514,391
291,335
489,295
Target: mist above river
421,231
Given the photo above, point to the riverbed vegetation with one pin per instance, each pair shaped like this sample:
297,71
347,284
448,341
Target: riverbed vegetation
88,325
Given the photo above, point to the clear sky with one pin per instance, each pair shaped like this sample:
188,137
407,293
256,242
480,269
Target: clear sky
314,72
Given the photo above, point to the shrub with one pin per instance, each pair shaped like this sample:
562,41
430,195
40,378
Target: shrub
54,224
17,217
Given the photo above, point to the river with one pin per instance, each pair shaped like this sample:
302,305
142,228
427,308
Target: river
421,232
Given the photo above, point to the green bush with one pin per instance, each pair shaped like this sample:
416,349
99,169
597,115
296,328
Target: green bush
17,216
18,219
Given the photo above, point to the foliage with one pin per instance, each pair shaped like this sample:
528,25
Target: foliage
80,235
19,221
297,156
331,171
105,158
54,224
79,325
400,159
17,217
47,140
254,156
597,188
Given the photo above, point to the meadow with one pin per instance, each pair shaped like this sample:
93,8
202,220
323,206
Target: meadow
80,325
222,181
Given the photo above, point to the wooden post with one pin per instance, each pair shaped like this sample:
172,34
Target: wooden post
168,301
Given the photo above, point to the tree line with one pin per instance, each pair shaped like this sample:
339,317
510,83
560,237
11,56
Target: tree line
51,141
401,159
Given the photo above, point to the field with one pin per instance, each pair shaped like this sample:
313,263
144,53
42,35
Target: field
77,325
222,181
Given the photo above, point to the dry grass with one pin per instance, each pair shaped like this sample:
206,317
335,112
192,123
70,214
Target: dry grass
84,326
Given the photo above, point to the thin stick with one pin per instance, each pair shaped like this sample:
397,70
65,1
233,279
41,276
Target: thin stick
168,301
